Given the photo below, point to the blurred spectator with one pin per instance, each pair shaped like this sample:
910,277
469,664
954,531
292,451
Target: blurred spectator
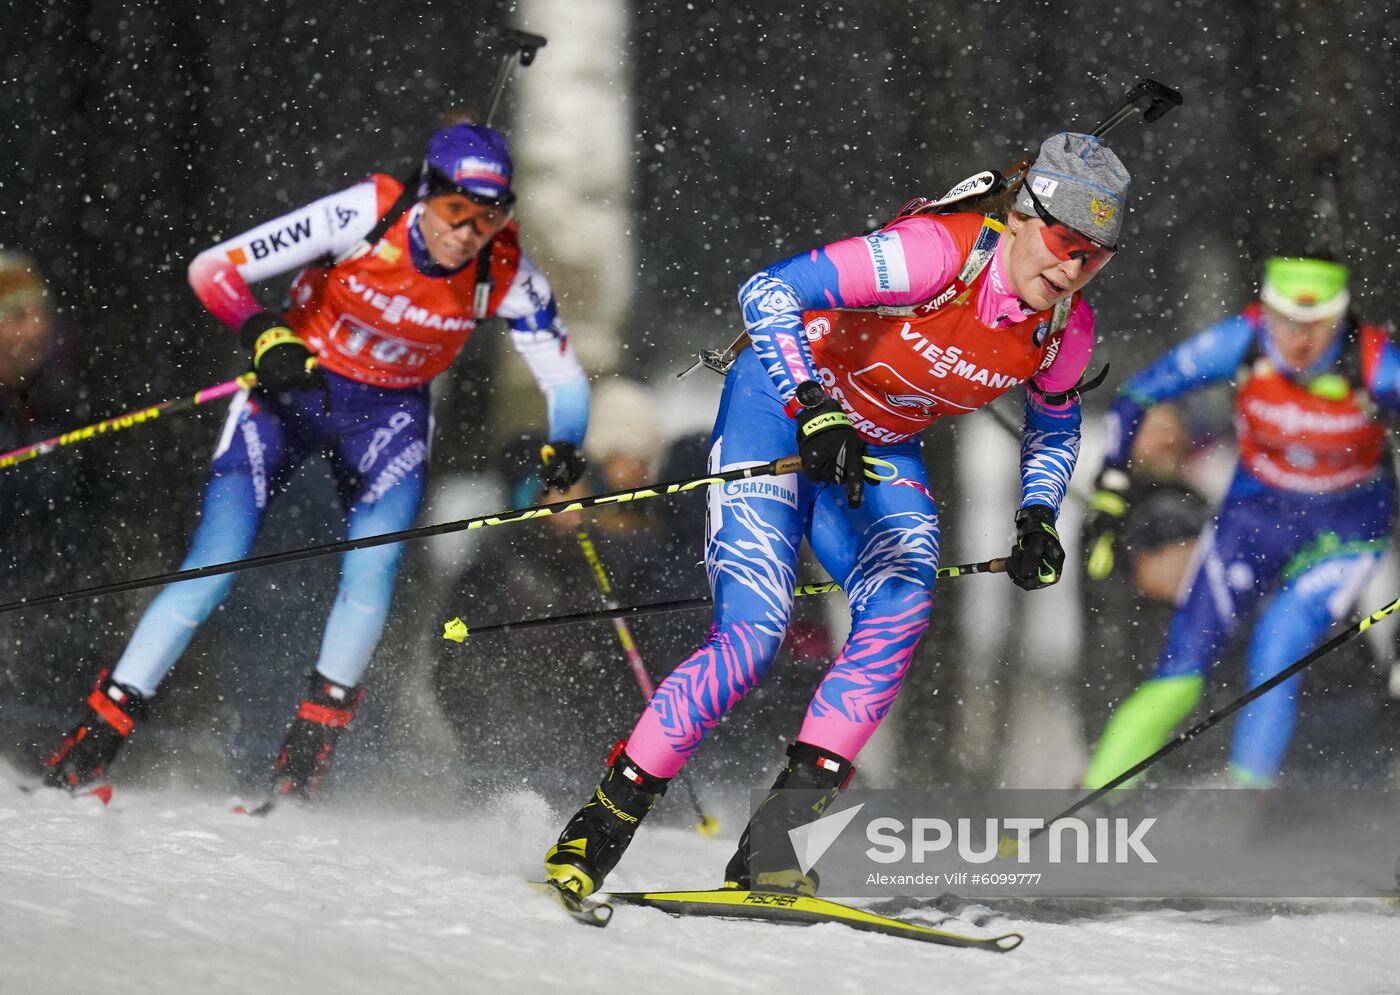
26,323
564,678
45,503
514,698
623,439
38,399
683,516
1165,513
517,701
1158,538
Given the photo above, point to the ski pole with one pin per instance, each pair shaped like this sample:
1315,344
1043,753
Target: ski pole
779,467
1297,667
457,631
707,825
132,418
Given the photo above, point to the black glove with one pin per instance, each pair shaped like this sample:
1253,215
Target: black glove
562,465
1104,522
1038,559
831,450
280,356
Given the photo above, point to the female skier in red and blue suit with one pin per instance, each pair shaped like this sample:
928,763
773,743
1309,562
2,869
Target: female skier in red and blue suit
854,349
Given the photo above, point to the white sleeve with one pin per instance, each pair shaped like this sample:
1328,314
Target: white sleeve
541,339
536,330
528,304
325,227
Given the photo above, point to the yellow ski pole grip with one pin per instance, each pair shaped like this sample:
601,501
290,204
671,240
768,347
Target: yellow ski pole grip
880,470
1100,563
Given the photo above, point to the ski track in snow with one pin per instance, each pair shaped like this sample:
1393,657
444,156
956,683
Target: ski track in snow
171,892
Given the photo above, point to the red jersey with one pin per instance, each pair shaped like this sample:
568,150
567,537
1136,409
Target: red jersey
1311,437
897,370
376,319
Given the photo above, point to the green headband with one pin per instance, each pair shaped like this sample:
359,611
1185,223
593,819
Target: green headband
1305,289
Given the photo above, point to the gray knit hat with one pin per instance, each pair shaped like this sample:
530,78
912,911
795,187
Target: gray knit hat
1078,180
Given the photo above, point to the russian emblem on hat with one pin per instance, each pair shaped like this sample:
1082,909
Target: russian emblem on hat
1088,181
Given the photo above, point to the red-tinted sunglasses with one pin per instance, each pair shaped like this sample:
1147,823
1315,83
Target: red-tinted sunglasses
1066,243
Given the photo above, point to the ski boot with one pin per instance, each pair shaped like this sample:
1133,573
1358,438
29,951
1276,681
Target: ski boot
596,837
83,756
808,768
306,754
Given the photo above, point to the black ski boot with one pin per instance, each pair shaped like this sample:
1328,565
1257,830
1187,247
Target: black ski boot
83,756
808,768
306,754
596,837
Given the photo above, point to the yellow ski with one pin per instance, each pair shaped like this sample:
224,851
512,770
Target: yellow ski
774,906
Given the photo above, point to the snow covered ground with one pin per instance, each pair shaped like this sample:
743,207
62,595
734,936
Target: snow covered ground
169,891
